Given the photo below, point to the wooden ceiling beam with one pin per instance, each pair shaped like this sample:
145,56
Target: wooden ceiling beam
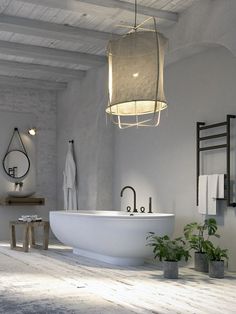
31,83
62,72
51,54
54,31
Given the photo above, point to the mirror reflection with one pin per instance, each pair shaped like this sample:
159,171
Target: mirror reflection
16,164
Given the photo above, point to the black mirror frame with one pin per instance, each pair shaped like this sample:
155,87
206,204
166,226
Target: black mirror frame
16,150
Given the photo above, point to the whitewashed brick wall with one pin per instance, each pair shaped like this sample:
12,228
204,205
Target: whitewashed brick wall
43,105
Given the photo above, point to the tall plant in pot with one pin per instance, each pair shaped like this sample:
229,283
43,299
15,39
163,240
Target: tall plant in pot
198,237
170,252
216,257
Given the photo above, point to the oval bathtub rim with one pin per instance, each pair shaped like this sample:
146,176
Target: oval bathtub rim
104,214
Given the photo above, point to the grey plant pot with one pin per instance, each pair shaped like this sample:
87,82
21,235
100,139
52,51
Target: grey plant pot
216,269
201,262
171,269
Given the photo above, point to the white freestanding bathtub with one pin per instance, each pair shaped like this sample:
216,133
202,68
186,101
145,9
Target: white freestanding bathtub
114,237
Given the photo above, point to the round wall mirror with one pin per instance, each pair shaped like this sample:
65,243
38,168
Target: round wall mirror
16,164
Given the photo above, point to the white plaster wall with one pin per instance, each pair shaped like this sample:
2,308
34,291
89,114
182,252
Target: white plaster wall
161,162
205,24
41,105
81,117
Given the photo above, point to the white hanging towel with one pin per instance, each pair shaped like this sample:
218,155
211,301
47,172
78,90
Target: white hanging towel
210,187
202,194
69,181
213,180
221,186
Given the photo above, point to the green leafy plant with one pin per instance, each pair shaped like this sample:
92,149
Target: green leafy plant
166,249
198,234
215,253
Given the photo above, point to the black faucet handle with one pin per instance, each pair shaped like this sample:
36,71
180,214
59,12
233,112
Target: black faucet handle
128,208
150,205
142,209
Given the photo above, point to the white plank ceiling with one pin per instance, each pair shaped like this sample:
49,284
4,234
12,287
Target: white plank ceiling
58,40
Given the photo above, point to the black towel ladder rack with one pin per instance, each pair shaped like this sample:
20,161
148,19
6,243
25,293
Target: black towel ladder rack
202,126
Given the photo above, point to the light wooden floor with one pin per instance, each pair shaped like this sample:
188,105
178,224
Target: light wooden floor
56,281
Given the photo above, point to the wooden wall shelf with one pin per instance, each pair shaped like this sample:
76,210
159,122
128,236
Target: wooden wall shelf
19,201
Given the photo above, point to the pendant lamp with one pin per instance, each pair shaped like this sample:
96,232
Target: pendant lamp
135,77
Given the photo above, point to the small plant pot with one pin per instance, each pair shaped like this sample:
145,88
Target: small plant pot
201,262
171,269
216,269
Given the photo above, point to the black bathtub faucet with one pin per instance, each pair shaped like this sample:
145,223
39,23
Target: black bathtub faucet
130,187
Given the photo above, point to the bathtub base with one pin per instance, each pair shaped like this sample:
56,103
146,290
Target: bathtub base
119,261
113,237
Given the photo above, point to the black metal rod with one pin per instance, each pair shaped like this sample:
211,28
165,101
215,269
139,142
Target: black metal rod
213,136
231,116
227,146
228,160
215,125
71,141
198,155
212,147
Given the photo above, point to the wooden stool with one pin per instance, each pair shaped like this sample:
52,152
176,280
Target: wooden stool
29,235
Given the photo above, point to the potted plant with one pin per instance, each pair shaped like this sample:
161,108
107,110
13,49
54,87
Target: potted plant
169,251
216,257
198,237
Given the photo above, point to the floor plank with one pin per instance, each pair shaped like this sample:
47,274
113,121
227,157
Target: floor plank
57,281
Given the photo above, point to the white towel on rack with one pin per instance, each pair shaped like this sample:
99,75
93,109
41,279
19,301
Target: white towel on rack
213,180
221,186
202,194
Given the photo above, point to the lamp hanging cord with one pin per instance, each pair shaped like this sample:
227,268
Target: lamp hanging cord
158,65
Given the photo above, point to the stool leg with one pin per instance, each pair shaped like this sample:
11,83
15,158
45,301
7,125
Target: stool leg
45,235
13,236
32,236
26,238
